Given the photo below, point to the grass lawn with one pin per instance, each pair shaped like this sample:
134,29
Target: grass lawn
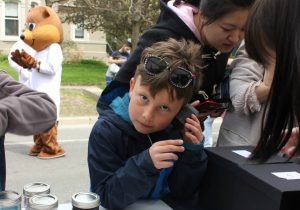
87,72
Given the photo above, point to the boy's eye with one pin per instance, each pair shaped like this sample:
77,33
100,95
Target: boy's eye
143,98
164,108
31,26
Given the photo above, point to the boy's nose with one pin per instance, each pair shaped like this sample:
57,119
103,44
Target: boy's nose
148,114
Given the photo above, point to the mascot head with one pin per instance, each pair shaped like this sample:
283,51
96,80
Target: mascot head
43,28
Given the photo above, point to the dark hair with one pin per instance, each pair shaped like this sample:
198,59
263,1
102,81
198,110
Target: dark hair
195,3
215,9
181,53
274,25
128,44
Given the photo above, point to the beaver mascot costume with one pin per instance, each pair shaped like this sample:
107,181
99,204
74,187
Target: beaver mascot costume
42,67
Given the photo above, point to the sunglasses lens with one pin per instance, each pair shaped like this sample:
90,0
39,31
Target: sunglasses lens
155,65
181,78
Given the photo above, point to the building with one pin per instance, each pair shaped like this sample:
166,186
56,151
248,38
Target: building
78,43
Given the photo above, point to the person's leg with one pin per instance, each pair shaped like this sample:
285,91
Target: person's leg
51,149
37,147
208,142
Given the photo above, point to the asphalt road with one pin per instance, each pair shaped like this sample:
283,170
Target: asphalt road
66,175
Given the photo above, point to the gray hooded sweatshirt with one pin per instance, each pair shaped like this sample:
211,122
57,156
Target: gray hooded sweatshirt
22,111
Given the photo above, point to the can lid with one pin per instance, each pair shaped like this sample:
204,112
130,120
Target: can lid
9,198
36,188
85,200
43,202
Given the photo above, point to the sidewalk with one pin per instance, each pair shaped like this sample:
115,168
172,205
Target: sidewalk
94,92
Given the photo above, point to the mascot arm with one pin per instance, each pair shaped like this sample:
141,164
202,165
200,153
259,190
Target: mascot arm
24,74
23,59
17,46
14,65
53,62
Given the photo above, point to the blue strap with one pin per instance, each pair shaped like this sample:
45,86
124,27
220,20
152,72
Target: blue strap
161,186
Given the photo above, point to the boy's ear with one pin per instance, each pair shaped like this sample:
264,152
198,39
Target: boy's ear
131,83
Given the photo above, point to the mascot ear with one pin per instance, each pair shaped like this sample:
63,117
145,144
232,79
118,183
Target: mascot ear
46,13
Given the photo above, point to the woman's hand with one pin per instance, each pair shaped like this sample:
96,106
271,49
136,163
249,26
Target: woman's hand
290,146
163,154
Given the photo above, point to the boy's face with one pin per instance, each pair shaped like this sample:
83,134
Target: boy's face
150,114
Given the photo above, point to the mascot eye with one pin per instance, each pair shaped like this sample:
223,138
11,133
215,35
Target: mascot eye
31,26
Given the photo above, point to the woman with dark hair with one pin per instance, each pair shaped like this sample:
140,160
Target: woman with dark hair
273,32
218,25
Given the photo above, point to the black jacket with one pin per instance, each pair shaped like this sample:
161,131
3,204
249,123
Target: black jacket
2,164
169,25
121,169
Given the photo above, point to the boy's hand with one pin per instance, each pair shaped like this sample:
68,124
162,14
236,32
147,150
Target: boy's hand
163,154
192,131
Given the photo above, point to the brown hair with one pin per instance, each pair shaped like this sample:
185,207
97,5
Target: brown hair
258,33
183,53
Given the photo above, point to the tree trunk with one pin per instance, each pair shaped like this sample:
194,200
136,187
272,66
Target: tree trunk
136,23
135,34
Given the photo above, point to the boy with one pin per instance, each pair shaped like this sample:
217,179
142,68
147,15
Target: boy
134,151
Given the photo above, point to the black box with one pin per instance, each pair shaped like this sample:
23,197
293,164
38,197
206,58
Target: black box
232,182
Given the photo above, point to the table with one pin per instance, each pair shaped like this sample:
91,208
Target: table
232,182
139,205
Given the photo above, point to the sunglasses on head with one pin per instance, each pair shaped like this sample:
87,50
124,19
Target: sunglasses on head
179,77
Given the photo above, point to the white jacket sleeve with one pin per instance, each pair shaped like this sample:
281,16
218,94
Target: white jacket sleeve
24,74
53,62
245,77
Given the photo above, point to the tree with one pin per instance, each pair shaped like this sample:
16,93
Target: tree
119,19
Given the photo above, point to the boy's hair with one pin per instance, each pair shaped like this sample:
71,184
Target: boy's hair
184,54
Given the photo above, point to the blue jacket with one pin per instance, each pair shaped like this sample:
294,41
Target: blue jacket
121,169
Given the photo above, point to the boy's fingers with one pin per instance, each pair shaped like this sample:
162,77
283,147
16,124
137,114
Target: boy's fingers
170,142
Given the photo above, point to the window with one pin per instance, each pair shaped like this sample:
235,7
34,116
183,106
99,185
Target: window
79,32
33,4
11,19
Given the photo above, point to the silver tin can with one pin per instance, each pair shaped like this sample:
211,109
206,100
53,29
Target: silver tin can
10,200
43,202
85,200
32,189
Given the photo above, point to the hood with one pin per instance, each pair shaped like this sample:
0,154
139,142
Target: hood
168,20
